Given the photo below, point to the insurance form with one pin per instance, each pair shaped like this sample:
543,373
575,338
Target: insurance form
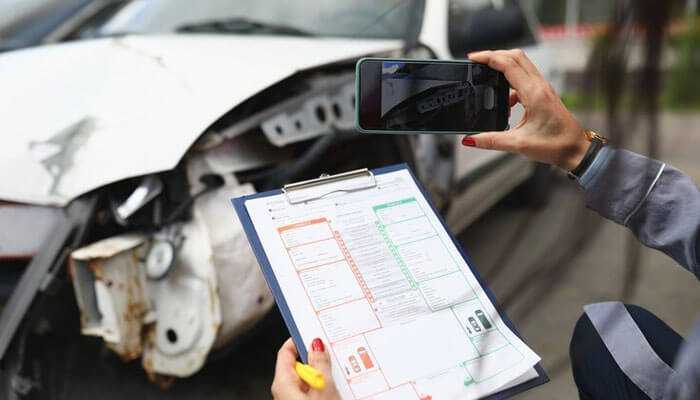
375,274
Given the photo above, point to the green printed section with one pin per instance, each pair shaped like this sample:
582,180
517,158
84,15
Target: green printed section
395,253
468,380
392,247
393,204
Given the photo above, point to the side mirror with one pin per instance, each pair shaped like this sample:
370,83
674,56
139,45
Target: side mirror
487,28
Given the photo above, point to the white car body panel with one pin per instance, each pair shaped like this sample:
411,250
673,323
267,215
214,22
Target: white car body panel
81,115
434,29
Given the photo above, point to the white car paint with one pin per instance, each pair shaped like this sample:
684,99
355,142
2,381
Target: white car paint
81,115
434,28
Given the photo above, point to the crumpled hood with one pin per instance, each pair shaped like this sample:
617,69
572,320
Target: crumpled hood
77,116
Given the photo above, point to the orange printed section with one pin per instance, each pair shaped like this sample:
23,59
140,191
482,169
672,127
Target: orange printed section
353,267
301,224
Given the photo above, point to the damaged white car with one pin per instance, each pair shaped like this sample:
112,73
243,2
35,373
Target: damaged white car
125,136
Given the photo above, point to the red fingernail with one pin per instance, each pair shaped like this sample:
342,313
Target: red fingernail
317,345
467,141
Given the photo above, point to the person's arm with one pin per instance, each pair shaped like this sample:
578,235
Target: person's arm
660,205
685,383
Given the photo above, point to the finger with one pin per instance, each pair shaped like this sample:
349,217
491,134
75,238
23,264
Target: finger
521,58
517,54
320,359
504,62
286,383
513,98
480,56
286,359
476,53
504,141
287,355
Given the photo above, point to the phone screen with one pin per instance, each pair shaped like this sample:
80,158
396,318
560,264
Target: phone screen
431,96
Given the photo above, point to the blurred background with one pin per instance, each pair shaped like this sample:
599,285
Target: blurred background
128,124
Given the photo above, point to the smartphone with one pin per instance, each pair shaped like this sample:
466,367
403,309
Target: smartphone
429,96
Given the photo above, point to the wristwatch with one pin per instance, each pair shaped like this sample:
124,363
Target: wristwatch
597,143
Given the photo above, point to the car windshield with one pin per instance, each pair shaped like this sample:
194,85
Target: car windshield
381,19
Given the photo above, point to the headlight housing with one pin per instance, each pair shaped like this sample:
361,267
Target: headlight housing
328,104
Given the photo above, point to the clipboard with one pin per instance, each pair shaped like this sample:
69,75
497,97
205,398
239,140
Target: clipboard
354,181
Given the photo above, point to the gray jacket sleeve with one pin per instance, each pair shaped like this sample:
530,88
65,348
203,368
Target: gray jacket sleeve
685,383
660,204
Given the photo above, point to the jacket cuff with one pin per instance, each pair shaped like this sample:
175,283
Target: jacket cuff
601,159
620,184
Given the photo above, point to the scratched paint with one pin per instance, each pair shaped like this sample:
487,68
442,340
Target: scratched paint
57,154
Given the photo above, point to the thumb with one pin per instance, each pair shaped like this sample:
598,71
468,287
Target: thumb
504,140
320,359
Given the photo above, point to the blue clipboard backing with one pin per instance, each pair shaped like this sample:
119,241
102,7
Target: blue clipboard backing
254,239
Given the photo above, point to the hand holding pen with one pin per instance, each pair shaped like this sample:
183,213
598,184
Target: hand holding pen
296,381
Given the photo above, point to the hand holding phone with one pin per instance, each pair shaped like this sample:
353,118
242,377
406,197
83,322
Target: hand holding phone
430,96
548,132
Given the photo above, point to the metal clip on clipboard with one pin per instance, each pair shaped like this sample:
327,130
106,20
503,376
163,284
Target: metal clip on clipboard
314,189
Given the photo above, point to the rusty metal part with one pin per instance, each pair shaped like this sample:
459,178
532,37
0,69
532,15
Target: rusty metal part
109,284
213,293
171,323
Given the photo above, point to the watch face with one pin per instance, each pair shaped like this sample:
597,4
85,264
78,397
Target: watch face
160,259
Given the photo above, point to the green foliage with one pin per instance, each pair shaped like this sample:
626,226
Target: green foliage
681,89
683,84
579,101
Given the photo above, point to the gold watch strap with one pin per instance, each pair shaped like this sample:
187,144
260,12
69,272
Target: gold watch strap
592,135
597,142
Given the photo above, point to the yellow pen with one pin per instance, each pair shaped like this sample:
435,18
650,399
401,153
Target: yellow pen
310,375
